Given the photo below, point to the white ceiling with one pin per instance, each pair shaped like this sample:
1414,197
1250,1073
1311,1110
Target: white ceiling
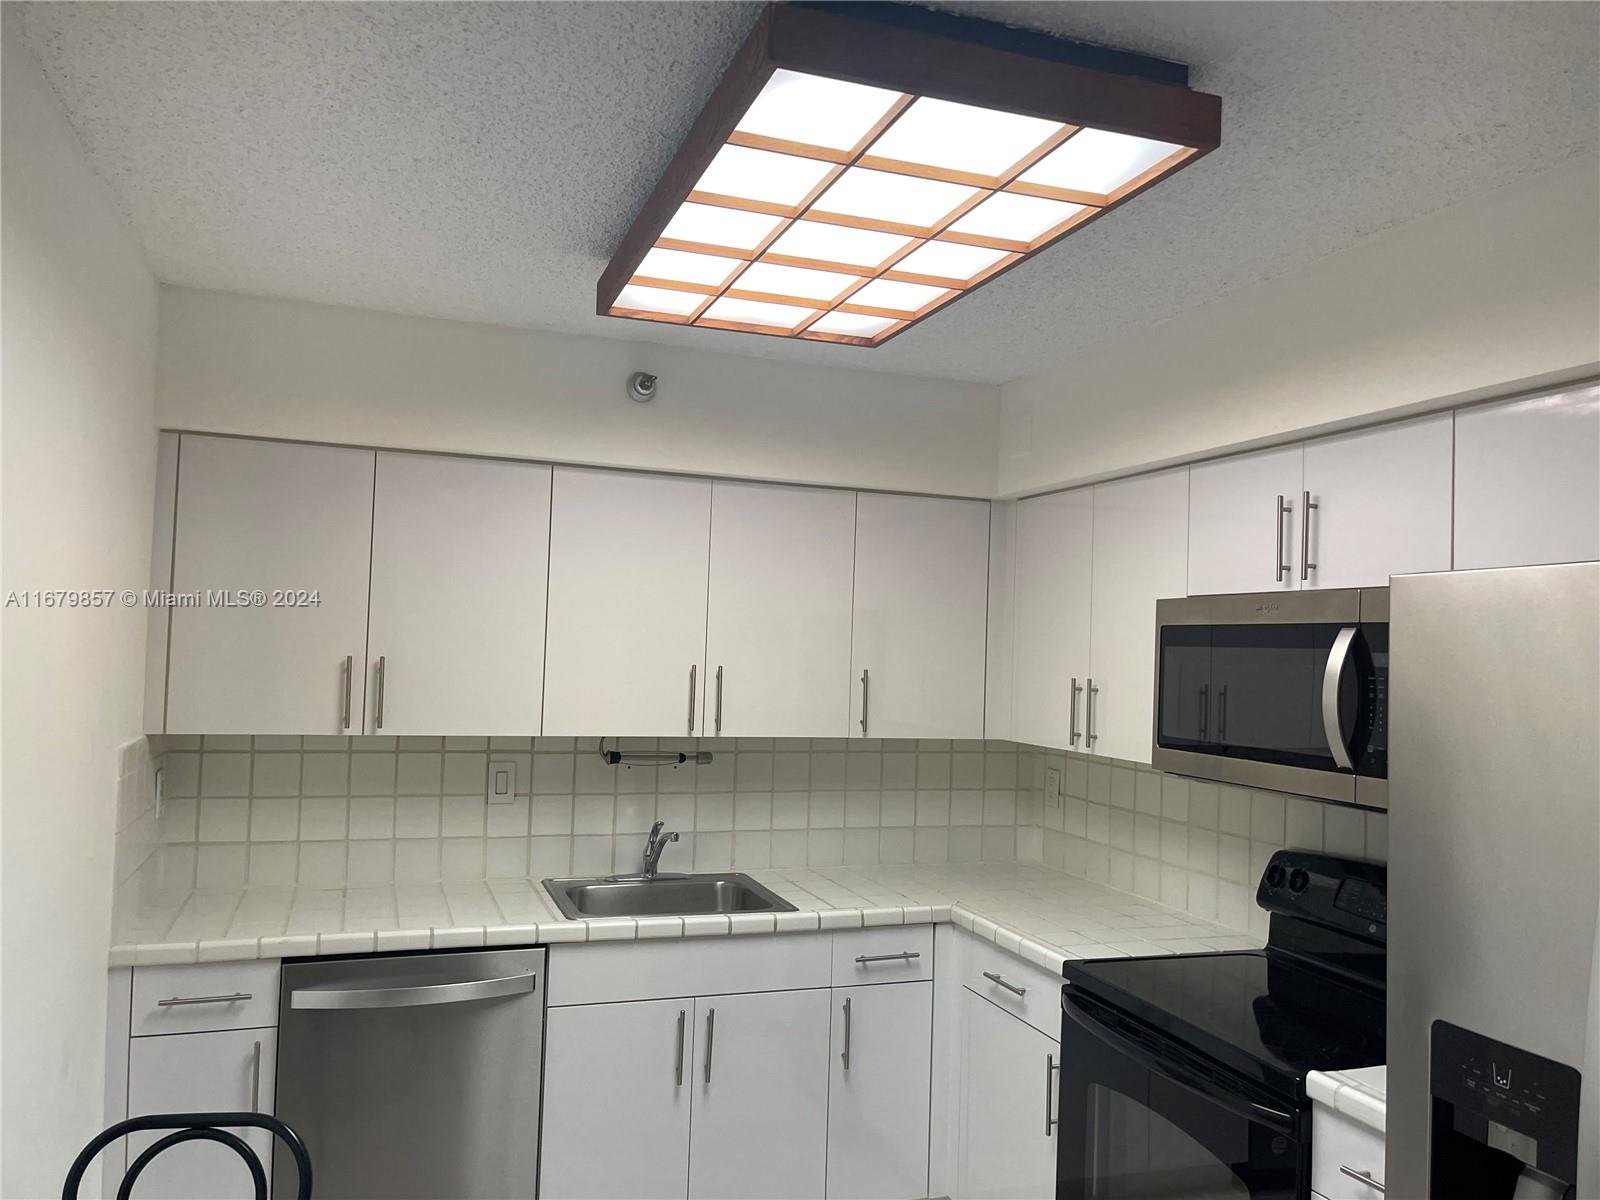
481,160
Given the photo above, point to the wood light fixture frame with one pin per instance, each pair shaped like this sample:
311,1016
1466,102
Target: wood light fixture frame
917,54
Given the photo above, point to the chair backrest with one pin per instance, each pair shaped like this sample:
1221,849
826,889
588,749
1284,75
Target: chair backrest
193,1127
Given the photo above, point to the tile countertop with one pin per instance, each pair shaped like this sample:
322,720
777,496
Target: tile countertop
1359,1094
1043,915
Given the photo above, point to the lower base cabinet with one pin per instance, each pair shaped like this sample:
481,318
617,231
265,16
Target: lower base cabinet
1008,1132
878,1092
227,1071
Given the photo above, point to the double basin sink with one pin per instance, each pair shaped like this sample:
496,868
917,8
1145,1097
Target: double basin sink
663,896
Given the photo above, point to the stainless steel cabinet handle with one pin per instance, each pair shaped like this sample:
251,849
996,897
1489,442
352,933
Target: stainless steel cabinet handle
255,1079
845,1057
683,1016
1205,709
711,1032
718,722
1090,735
994,977
349,673
1222,713
231,998
1332,678
413,996
383,664
1072,722
901,956
863,702
1306,565
1279,567
693,668
1050,1069
1361,1176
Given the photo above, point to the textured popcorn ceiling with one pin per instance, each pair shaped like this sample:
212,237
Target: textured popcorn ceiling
481,161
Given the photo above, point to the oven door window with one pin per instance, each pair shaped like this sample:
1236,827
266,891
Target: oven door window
1130,1132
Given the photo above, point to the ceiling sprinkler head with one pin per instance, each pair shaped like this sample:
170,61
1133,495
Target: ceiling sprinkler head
642,387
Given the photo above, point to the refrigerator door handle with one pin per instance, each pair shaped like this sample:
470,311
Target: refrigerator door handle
1332,679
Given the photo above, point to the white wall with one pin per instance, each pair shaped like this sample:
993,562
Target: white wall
1473,300
240,364
78,462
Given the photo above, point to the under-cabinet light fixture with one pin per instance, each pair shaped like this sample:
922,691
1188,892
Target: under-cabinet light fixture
862,166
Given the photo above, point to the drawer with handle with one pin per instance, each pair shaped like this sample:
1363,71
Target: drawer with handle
1014,984
891,954
1346,1157
203,997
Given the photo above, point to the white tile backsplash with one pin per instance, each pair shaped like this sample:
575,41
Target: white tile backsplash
327,811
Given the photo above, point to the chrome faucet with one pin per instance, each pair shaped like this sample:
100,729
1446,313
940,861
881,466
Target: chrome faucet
653,846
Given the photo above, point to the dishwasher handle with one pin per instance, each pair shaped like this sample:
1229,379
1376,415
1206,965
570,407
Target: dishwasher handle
414,995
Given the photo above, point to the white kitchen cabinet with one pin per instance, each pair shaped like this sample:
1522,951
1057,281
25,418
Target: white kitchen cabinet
228,1071
460,550
778,613
1527,481
1009,1091
1239,539
878,1092
1054,538
1140,556
760,1078
627,604
1382,505
617,1083
920,614
295,523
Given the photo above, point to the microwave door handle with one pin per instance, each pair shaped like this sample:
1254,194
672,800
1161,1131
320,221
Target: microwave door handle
1238,1105
1332,679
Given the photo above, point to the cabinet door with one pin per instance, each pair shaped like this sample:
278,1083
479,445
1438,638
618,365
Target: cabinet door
921,607
627,615
1239,541
1140,556
1528,481
270,516
1382,501
878,1093
1050,648
761,1096
230,1071
460,550
617,1080
1008,1105
778,612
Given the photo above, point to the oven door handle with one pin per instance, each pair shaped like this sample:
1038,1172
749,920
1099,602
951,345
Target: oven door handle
1239,1106
1332,680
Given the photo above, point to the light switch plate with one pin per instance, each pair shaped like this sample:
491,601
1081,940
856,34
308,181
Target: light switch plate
1052,787
502,780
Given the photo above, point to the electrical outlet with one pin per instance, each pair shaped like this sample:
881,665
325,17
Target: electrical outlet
502,781
1052,787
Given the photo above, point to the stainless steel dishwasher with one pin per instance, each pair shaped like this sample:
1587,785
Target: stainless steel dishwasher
414,1075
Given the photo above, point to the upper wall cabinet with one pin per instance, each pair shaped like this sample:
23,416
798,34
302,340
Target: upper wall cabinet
1054,548
921,608
1528,481
778,615
1241,522
1379,505
627,609
293,522
460,550
1140,556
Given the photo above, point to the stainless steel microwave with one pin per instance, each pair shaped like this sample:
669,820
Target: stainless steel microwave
1281,690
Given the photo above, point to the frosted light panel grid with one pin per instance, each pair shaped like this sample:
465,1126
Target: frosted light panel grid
841,212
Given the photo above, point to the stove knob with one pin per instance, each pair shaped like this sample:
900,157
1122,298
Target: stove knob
1275,876
1298,880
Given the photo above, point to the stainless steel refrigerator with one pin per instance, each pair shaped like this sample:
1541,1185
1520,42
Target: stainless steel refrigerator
1494,884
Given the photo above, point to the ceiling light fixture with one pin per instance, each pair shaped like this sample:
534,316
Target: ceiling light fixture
863,165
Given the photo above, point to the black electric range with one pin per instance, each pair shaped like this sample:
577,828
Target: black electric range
1184,1075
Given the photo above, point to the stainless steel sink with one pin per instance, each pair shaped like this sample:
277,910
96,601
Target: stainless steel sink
663,896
